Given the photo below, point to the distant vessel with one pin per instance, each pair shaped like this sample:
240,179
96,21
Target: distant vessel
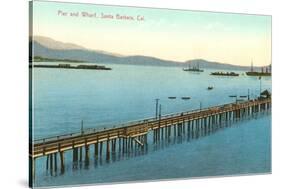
225,73
172,97
243,96
193,68
266,72
258,74
185,97
210,88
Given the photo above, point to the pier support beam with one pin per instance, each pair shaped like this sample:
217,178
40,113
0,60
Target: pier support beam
51,163
62,162
120,144
101,149
56,165
96,150
80,154
107,150
87,154
47,162
75,154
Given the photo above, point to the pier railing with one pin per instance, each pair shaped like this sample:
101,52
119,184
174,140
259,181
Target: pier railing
132,123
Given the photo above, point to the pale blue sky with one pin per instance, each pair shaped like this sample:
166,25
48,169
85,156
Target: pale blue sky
167,34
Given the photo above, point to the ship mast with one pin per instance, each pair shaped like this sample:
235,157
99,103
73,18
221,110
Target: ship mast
252,69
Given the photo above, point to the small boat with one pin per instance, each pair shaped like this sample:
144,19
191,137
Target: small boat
210,88
172,97
185,98
243,96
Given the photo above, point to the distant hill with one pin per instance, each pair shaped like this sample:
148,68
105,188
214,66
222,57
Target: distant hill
72,54
48,48
57,45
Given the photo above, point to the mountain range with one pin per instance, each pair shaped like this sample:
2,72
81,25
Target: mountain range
50,48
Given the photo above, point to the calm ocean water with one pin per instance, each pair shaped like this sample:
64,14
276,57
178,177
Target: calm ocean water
62,98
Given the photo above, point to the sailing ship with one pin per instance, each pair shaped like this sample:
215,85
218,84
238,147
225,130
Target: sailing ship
193,68
264,72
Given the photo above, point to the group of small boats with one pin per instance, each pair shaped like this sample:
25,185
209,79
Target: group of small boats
264,71
183,98
267,72
188,97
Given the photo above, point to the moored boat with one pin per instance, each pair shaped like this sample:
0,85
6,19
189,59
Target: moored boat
224,74
185,98
172,97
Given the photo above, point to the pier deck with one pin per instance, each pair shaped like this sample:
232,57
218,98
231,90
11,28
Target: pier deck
190,122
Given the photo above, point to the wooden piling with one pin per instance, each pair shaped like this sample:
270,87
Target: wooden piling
120,144
101,149
62,162
47,162
55,158
96,150
131,144
51,163
80,154
107,150
188,129
75,151
87,154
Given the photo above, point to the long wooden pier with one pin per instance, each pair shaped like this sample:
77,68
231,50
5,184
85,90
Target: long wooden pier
135,134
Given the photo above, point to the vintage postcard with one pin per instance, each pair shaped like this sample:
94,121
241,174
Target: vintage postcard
122,94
